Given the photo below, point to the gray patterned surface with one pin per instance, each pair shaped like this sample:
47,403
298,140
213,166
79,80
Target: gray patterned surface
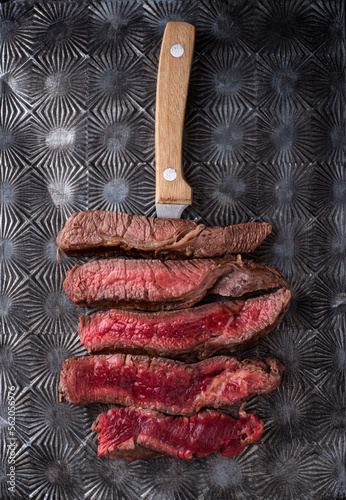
264,140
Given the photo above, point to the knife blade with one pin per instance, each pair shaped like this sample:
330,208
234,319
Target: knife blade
173,193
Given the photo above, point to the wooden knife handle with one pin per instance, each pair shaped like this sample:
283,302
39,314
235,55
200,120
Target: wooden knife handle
172,86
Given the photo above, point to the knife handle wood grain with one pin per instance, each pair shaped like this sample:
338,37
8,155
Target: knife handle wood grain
172,87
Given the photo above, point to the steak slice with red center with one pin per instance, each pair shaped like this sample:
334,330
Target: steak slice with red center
135,433
155,285
193,333
99,232
167,385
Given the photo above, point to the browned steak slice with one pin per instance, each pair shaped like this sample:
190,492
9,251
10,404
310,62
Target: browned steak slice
167,385
154,285
188,334
99,232
247,277
136,433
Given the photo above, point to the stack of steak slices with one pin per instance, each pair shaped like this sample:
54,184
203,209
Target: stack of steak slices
158,350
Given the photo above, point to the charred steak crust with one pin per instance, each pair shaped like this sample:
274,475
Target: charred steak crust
154,285
187,334
167,385
99,232
134,433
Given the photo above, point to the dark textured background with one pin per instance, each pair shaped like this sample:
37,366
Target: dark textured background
264,140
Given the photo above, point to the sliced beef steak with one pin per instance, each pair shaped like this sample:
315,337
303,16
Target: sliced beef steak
248,277
188,334
167,385
135,433
154,285
114,233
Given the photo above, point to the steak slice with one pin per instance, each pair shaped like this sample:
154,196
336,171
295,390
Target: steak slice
135,433
167,385
187,334
106,233
154,285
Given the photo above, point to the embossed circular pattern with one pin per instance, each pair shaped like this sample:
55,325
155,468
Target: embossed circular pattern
54,421
49,350
63,191
228,78
222,194
114,80
264,140
286,470
14,369
59,29
220,135
14,203
57,84
115,27
168,477
125,187
56,473
13,303
16,30
52,311
111,478
118,137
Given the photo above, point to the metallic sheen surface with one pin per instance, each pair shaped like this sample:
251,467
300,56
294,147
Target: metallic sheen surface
170,174
170,211
177,50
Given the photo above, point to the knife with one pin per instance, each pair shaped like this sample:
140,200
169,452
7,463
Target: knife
173,193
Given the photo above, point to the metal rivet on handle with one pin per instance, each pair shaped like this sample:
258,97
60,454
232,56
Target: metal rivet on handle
177,50
170,174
